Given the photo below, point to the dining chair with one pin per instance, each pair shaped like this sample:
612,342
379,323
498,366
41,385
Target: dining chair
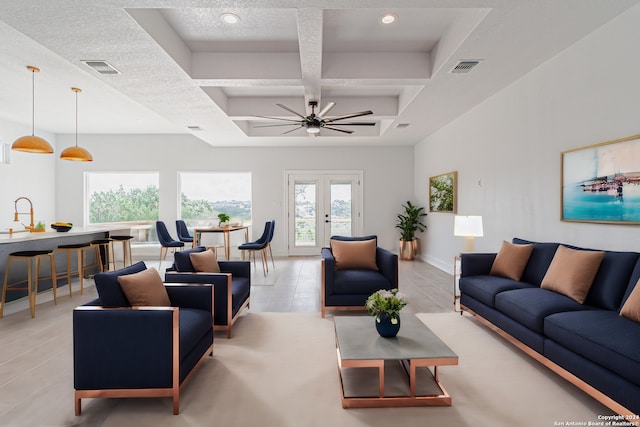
166,241
259,245
183,232
269,239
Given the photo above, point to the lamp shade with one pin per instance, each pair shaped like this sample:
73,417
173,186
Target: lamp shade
468,226
77,154
32,144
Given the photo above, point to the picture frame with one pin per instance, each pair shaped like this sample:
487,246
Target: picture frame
443,193
601,182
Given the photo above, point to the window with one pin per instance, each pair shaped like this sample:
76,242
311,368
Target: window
203,195
124,198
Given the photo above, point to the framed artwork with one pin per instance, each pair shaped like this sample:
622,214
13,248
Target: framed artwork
601,183
443,192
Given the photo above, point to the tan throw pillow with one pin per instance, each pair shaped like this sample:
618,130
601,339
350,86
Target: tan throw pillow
354,254
144,289
205,262
631,307
511,260
571,272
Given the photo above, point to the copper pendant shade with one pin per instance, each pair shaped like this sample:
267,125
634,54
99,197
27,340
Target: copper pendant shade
75,153
32,143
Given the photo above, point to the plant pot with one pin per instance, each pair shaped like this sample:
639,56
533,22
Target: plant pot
387,326
408,249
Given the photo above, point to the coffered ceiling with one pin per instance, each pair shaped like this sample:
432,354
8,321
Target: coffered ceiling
182,69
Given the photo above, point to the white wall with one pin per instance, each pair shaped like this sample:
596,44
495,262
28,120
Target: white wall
388,176
29,175
512,142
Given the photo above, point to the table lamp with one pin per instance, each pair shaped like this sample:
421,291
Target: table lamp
468,227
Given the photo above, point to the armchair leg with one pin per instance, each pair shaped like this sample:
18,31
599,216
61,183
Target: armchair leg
78,406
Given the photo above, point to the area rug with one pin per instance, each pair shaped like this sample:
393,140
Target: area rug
280,370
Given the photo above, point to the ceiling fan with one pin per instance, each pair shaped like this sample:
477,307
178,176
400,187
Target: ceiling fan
314,122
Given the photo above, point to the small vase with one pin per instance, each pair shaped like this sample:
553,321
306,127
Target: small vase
387,326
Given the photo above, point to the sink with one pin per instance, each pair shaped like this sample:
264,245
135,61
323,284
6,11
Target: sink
14,231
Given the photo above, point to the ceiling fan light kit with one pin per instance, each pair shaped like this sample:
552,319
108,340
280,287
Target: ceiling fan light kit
313,123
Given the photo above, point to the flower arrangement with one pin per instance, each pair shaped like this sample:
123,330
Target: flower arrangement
386,302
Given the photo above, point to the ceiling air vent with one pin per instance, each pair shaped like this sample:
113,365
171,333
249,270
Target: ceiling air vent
402,125
465,66
102,67
194,128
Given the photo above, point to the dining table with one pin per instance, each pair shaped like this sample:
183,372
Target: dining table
226,233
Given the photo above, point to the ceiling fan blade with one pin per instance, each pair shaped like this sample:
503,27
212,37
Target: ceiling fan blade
326,109
278,118
354,124
283,124
348,116
291,111
292,130
339,130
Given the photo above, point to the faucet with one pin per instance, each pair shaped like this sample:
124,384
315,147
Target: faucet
31,226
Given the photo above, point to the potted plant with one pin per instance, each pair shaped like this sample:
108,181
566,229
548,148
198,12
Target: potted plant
409,222
385,306
223,219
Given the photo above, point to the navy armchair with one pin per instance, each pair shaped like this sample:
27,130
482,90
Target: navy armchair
347,288
123,351
232,286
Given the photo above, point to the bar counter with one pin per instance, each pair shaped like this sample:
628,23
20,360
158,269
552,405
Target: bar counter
26,241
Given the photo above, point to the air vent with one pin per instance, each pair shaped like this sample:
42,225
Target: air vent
194,128
402,125
102,67
465,66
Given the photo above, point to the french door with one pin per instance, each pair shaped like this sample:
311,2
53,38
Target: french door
322,204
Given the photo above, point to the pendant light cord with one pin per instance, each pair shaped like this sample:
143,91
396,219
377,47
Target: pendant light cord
33,102
76,118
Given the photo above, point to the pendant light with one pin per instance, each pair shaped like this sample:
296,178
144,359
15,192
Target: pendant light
32,143
77,154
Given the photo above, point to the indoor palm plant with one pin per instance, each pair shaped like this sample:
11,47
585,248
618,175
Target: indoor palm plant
385,306
409,222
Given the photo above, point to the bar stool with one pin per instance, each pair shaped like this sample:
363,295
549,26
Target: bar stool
105,251
79,249
32,285
126,249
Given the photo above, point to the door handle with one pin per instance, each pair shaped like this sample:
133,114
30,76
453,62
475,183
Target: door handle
326,220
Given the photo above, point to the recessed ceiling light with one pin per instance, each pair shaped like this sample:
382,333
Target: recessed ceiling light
389,18
230,18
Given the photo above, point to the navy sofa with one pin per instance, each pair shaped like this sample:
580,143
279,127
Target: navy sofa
232,286
349,289
123,351
591,341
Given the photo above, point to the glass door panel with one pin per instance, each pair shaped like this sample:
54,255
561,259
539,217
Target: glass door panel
305,214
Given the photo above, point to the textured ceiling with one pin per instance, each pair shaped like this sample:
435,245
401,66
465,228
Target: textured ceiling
182,66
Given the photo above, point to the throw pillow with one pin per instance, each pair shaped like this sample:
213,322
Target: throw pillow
511,260
205,262
631,307
145,289
571,272
354,254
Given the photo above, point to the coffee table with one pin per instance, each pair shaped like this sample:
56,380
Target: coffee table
404,364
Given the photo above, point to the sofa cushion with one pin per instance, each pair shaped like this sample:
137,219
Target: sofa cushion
539,261
511,260
572,271
205,261
354,254
631,307
359,281
194,324
182,259
612,280
144,288
485,288
601,336
529,307
109,289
